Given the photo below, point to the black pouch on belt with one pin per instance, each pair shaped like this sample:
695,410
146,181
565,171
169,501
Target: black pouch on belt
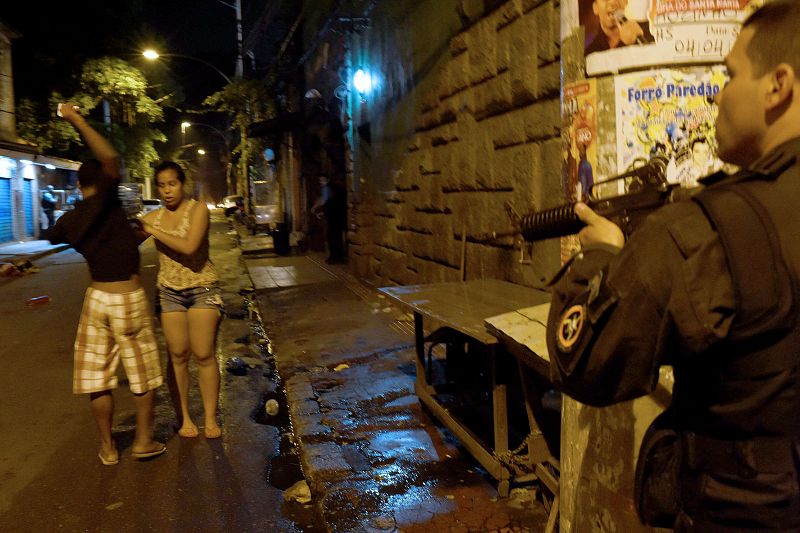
657,482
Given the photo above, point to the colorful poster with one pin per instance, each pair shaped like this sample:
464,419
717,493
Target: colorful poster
670,113
627,34
579,146
579,132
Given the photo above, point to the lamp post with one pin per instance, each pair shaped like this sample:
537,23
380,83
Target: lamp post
152,55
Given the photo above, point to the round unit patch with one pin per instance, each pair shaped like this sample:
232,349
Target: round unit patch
570,327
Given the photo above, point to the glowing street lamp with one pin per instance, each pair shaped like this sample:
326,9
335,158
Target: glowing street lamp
362,81
152,55
200,151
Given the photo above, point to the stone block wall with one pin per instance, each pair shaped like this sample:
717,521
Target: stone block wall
485,134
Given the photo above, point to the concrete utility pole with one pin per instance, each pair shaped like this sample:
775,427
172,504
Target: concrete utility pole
237,6
239,65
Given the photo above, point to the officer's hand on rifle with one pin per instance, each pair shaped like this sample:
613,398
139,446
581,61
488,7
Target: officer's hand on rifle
598,230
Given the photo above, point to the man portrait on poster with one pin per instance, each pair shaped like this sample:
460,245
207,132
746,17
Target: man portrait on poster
608,25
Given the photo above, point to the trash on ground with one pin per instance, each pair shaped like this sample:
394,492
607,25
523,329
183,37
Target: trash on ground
18,267
521,498
7,269
299,492
38,300
235,314
339,368
251,362
236,366
272,407
24,264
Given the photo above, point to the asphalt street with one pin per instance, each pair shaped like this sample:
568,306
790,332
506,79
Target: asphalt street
50,476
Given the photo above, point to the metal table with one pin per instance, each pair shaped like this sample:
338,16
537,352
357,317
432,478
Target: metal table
463,307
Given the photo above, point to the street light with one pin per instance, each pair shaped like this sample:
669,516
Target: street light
184,125
152,55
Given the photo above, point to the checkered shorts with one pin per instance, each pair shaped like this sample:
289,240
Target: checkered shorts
114,326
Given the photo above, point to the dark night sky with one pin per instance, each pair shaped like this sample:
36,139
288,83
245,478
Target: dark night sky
57,37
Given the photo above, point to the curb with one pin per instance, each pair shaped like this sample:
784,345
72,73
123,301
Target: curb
36,255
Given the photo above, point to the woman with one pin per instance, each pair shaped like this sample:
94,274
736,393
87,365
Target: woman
189,294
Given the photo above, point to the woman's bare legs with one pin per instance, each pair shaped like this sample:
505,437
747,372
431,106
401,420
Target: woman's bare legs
203,325
176,331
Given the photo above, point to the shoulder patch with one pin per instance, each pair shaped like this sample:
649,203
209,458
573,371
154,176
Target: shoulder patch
570,327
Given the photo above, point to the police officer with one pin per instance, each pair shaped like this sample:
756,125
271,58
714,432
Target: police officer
709,286
49,202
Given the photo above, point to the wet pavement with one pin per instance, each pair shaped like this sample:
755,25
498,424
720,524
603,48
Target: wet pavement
50,476
373,458
317,387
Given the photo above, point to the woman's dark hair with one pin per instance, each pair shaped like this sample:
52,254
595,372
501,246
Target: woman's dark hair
171,165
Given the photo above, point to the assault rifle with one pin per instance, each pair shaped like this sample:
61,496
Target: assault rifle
646,189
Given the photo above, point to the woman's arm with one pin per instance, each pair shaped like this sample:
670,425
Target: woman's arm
198,229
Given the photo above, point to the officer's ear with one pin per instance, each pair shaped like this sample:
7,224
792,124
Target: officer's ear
781,88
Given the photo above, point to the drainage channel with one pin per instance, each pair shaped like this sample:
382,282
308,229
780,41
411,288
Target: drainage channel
284,470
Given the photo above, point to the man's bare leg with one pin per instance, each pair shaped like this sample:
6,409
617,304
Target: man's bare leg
102,407
143,443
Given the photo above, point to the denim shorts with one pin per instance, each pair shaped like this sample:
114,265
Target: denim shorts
171,300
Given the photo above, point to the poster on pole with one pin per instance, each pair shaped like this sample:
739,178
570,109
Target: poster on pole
669,112
579,147
633,34
579,132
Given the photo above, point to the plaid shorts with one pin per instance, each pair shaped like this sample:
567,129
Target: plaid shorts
114,326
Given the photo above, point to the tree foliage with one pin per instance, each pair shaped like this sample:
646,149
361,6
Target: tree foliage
247,101
107,84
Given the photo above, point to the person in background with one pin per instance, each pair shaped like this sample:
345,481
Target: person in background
115,323
332,204
49,202
189,294
709,286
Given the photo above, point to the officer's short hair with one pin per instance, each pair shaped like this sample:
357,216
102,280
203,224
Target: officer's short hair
776,38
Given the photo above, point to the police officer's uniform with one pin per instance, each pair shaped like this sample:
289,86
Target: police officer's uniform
709,286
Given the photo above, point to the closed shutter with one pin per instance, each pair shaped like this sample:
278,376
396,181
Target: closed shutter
6,227
27,206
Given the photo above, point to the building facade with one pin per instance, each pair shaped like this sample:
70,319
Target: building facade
450,111
22,167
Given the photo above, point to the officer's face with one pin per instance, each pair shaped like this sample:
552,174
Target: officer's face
741,121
